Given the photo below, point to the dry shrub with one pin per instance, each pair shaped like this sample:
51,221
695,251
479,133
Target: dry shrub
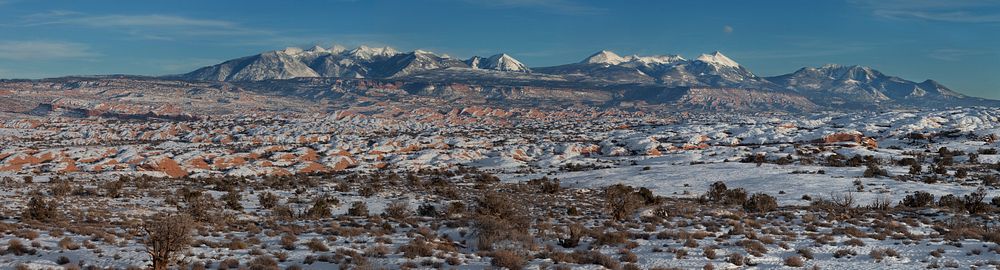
604,260
691,243
918,199
854,242
317,245
628,256
760,202
508,259
282,212
359,209
417,248
237,244
710,253
880,204
719,193
40,209
805,253
937,252
288,241
794,261
546,185
621,201
320,208
842,201
576,231
397,210
736,259
268,200
611,238
229,263
840,253
60,188
427,210
378,251
501,220
754,247
167,236
263,263
17,248
232,199
680,253
878,254
67,243
26,234
281,256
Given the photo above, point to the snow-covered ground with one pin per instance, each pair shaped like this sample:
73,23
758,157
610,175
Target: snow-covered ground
437,158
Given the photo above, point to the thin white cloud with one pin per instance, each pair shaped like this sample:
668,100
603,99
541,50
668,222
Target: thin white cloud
44,50
149,26
808,48
955,54
727,29
958,11
182,65
555,6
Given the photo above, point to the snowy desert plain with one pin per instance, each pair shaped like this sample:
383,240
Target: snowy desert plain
483,187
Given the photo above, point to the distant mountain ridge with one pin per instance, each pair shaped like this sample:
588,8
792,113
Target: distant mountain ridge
838,84
830,86
362,62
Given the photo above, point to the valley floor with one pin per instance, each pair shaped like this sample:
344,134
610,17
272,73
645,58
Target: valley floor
484,187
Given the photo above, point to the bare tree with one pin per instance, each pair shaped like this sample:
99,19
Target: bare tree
621,201
166,236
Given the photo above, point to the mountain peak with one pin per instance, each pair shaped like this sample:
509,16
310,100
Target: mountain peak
366,53
656,59
337,48
292,50
604,57
422,52
501,62
848,67
718,58
318,49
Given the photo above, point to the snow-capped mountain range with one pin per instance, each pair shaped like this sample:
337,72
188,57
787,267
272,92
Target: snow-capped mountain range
361,62
827,86
836,84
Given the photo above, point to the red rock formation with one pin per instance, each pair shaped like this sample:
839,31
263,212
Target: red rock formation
167,166
307,167
843,137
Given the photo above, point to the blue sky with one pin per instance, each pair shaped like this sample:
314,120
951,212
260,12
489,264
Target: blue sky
956,42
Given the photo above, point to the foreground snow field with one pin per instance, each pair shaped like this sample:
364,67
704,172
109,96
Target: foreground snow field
487,187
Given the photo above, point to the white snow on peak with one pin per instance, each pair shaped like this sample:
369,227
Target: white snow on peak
655,59
504,62
292,50
318,49
604,57
337,48
365,52
474,62
423,52
718,59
